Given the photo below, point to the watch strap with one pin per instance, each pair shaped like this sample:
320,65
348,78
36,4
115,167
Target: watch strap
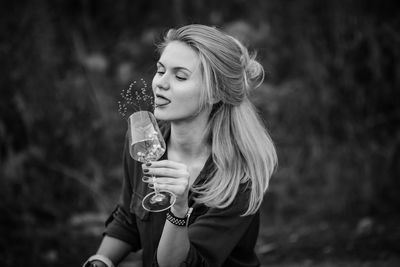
177,220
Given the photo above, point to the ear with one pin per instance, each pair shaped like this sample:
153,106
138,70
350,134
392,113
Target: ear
215,100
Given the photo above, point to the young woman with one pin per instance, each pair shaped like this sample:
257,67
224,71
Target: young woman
218,162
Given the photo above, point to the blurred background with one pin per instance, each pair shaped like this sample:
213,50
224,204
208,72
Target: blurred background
330,101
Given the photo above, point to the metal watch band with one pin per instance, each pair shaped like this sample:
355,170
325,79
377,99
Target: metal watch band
179,221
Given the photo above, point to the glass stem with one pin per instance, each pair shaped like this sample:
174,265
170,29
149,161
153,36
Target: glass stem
153,179
155,185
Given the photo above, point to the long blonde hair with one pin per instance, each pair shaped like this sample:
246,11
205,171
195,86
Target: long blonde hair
242,149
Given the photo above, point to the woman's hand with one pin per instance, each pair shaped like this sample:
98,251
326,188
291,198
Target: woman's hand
171,176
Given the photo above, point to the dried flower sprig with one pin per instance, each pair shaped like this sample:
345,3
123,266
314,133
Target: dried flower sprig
135,99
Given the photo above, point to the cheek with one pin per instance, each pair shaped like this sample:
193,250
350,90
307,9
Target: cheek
190,100
153,83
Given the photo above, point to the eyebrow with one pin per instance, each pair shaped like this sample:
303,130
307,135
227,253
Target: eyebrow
175,68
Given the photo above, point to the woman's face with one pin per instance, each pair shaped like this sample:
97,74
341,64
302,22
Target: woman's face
177,83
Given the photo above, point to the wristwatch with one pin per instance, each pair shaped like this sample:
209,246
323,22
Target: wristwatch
177,220
90,262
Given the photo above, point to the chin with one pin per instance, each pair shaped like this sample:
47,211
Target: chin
177,116
161,115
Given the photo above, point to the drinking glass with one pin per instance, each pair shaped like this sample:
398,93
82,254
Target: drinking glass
147,144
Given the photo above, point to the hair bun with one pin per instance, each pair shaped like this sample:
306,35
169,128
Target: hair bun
254,73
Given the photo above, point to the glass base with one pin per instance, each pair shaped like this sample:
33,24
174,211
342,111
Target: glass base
161,201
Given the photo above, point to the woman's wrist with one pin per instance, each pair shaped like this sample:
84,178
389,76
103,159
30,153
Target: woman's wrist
179,221
180,211
98,261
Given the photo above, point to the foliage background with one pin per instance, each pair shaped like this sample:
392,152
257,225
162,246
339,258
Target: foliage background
330,101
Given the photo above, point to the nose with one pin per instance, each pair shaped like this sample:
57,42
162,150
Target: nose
161,82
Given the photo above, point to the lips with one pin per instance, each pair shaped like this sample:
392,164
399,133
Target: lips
161,101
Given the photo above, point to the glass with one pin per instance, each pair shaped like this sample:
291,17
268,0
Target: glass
147,144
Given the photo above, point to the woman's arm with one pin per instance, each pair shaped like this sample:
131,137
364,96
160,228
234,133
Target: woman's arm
174,243
173,255
114,249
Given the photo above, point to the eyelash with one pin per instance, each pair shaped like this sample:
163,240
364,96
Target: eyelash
159,72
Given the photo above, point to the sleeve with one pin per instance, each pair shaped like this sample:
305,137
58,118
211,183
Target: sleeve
215,234
122,222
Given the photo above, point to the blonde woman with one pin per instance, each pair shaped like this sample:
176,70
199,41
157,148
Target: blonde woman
218,162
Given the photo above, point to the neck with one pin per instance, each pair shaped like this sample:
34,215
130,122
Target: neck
189,139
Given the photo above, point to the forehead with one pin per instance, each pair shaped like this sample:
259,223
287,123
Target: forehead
179,54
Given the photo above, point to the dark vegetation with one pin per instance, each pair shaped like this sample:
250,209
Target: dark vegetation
330,101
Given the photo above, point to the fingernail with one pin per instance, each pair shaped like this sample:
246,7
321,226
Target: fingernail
145,170
148,164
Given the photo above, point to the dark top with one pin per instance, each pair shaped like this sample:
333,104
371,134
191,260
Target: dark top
218,237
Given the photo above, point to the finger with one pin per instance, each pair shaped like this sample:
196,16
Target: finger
165,163
178,186
150,180
178,190
171,181
147,179
166,172
165,180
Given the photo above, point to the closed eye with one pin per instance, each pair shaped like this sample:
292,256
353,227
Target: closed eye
181,75
181,78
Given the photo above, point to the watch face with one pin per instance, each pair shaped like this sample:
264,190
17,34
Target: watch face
90,264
